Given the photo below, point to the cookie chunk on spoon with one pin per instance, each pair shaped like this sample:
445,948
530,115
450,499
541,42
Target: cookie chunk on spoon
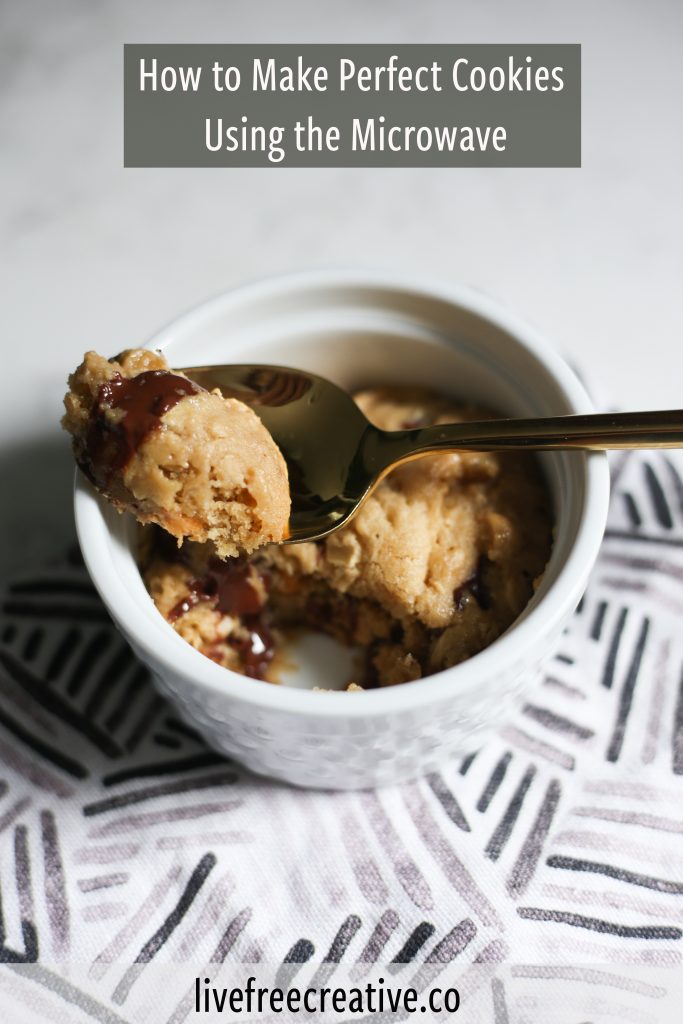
156,444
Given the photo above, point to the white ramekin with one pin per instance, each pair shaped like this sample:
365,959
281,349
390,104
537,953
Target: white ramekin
362,328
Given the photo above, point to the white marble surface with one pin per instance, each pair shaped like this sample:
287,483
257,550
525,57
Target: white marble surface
95,255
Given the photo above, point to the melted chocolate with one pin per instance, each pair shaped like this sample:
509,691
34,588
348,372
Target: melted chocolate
476,586
256,653
142,400
196,592
232,588
235,590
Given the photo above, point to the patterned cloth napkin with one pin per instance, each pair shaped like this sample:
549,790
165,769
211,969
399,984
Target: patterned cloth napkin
125,841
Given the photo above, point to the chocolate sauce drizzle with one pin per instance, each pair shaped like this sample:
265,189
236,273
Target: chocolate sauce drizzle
258,649
232,587
142,400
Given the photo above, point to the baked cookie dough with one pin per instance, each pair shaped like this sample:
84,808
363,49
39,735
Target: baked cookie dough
437,563
201,466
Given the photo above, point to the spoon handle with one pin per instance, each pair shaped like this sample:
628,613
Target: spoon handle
596,432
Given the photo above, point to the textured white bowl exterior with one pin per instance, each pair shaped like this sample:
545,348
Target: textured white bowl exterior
360,328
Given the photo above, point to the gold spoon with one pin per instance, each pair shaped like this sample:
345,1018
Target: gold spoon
335,456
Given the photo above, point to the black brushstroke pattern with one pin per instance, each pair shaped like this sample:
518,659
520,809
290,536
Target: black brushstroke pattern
494,782
658,498
557,723
55,757
448,801
677,736
632,510
47,610
414,943
140,680
53,703
598,925
147,771
598,620
675,542
620,874
62,653
95,648
138,796
189,894
613,650
495,845
626,696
